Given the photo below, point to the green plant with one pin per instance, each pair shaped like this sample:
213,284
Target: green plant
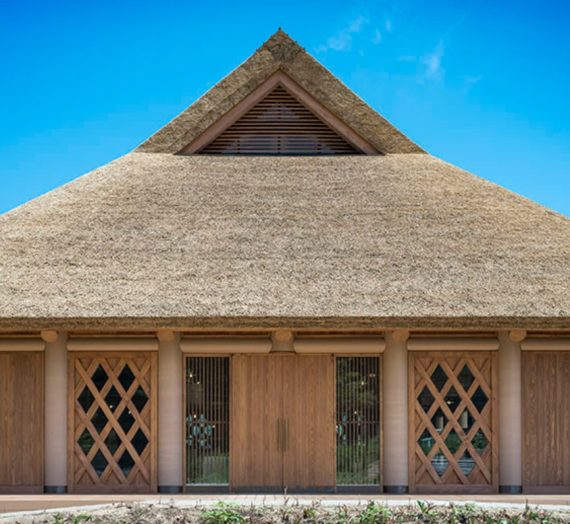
136,512
462,514
356,460
58,518
426,443
82,517
428,512
222,513
309,513
535,515
342,515
374,514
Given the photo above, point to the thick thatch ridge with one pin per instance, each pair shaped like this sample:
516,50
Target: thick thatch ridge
162,239
280,52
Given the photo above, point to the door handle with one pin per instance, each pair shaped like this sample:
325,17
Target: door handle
278,432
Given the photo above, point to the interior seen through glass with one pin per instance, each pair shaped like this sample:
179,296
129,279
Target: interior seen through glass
113,399
358,420
462,415
357,424
207,420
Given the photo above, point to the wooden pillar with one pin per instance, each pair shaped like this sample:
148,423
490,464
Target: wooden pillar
55,440
395,416
510,412
170,416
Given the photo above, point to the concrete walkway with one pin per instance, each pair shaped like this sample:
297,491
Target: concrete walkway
25,503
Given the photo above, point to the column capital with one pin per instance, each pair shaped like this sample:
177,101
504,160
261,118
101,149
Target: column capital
517,335
50,336
166,336
283,340
398,335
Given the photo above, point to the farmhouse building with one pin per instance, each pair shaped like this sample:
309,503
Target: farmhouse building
279,291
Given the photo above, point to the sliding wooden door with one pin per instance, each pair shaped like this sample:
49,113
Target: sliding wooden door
256,458
21,422
546,421
309,418
283,425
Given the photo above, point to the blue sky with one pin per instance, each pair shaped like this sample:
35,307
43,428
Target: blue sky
482,84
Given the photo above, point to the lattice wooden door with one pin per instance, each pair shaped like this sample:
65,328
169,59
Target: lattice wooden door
112,417
453,422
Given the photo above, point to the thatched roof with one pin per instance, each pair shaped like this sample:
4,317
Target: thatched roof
198,238
279,53
156,239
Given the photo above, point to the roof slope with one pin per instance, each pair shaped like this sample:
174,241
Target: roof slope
159,239
369,240
279,53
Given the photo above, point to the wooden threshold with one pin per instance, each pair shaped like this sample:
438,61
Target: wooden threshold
21,490
546,490
476,489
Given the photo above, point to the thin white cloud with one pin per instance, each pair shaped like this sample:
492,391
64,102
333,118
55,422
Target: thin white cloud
388,25
356,25
431,62
342,41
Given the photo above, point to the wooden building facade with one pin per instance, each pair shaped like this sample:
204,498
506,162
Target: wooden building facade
280,292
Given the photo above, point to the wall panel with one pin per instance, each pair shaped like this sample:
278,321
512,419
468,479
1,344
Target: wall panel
546,422
21,422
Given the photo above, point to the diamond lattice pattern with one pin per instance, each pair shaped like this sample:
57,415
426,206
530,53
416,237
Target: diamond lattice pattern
453,418
112,420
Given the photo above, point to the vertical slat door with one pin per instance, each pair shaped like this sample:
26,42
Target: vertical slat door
256,459
309,422
207,421
546,422
112,422
21,422
453,422
358,425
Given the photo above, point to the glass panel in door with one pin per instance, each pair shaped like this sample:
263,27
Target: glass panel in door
207,420
358,420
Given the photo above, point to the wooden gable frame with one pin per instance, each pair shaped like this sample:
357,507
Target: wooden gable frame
279,79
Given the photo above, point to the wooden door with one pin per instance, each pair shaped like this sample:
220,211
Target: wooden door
21,422
546,422
309,418
453,422
256,459
282,422
112,422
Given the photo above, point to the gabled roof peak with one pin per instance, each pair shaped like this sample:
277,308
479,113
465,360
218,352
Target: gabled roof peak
282,46
279,53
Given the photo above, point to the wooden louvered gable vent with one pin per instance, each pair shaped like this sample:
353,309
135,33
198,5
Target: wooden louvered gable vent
279,125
